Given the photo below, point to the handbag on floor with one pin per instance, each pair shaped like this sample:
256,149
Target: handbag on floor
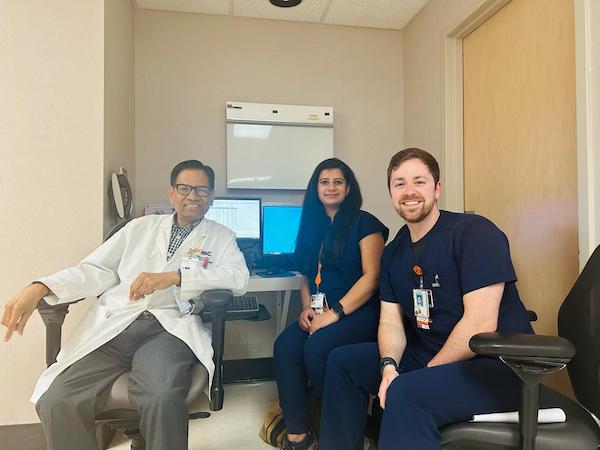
272,430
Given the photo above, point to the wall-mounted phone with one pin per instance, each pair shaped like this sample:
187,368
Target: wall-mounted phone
120,195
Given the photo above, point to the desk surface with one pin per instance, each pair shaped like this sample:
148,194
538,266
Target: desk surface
256,283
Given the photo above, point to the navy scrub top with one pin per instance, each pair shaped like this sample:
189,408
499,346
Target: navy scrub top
336,281
466,252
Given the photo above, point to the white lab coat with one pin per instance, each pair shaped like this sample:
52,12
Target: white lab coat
141,246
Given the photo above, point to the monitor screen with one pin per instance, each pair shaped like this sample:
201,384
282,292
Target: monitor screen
280,228
242,215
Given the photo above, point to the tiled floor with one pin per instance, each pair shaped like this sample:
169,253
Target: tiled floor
235,426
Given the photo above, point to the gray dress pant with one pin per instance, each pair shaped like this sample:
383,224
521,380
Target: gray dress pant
160,376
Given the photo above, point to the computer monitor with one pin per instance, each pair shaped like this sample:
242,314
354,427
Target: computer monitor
242,215
280,228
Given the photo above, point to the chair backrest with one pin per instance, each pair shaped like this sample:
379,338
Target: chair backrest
116,228
579,321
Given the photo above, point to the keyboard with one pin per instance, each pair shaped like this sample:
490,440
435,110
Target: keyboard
243,306
275,273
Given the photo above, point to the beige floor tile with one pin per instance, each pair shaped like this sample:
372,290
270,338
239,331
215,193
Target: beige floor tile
236,426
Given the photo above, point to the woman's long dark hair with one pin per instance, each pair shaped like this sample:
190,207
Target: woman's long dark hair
316,227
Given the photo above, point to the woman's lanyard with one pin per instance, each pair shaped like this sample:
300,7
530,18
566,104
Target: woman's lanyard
318,301
318,275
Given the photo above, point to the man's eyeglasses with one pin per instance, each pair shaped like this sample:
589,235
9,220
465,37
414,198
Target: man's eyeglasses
185,189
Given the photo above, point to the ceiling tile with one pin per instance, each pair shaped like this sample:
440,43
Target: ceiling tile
395,14
307,11
197,6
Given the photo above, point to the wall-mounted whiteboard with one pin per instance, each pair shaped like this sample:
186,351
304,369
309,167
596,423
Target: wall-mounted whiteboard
276,146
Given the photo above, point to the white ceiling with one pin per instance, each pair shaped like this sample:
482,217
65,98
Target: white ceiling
392,14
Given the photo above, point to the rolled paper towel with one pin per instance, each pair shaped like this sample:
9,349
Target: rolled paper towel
548,415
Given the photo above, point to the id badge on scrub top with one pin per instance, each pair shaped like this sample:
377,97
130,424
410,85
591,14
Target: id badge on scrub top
423,300
318,302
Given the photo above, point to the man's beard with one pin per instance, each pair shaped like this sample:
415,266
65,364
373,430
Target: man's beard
422,214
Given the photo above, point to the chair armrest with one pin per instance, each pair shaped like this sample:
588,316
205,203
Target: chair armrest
531,357
217,299
523,346
53,317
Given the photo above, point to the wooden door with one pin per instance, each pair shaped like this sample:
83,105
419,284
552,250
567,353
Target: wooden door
520,145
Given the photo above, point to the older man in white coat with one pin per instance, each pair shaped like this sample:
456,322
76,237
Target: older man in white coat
144,276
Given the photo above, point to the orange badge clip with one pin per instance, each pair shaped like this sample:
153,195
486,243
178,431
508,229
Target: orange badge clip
417,270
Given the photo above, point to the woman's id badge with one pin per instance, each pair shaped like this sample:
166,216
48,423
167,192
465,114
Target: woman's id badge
318,302
423,300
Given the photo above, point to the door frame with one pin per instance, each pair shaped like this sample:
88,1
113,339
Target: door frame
588,188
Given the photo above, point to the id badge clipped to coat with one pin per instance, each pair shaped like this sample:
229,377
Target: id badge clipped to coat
191,261
423,300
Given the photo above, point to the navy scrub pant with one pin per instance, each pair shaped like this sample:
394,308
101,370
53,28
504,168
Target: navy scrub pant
299,358
418,402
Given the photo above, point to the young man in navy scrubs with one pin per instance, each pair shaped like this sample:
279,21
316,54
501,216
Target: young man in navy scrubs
444,278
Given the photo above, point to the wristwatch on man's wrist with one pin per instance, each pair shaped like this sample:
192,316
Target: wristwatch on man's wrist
387,361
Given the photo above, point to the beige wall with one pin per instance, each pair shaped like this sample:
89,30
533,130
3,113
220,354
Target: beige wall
189,65
119,143
51,121
424,74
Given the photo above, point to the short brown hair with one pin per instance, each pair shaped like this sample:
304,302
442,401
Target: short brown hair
414,153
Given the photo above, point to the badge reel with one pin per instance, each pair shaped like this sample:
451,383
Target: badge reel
318,302
186,307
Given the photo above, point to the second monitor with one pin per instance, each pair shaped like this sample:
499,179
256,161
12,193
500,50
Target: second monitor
280,229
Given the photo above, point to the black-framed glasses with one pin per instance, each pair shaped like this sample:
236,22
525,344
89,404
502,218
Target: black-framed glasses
186,189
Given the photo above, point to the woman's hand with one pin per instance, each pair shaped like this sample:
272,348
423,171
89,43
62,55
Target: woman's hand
306,316
322,320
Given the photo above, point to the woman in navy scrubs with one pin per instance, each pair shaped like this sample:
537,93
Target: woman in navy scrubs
338,250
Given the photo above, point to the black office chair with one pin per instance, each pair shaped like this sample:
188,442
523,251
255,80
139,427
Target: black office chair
532,357
119,414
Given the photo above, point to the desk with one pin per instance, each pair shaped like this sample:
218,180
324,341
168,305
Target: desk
283,286
258,369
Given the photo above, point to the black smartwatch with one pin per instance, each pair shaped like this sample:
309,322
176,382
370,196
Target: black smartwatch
387,361
338,308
